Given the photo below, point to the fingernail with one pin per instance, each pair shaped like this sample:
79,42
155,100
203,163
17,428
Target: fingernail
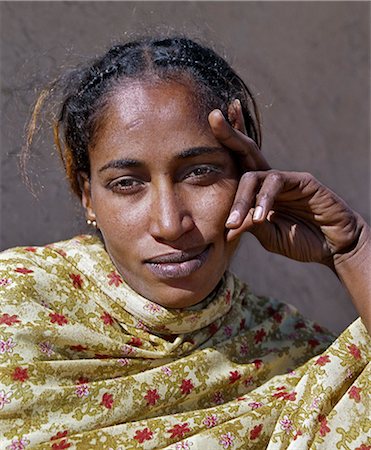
233,218
258,213
237,103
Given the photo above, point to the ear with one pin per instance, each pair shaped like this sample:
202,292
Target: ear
86,200
235,116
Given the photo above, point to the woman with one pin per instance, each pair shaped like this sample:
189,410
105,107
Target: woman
143,339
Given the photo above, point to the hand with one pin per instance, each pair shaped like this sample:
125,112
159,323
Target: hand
294,215
290,213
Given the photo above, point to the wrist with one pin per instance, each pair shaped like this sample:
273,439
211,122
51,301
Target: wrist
354,270
358,251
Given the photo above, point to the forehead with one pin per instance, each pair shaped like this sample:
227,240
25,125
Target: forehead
145,116
145,99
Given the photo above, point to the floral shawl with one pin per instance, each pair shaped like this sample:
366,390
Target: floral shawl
87,363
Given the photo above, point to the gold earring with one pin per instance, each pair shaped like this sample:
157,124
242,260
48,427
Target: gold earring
92,222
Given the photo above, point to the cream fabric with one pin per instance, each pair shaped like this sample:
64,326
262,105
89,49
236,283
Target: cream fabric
86,362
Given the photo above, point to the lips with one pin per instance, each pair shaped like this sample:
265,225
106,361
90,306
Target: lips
178,264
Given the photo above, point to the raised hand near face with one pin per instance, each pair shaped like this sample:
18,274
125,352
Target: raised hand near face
293,214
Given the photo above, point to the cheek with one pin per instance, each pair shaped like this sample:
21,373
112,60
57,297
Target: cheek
212,205
117,216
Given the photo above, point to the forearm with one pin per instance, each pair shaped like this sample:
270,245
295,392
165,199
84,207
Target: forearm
354,270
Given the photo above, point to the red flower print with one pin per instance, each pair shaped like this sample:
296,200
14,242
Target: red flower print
322,360
228,297
76,280
318,328
255,405
82,390
313,343
210,421
136,342
60,319
5,281
290,396
23,270
107,400
226,440
228,331
324,429
59,435
282,393
259,336
234,376
20,374
242,324
107,318
187,386
30,249
8,320
167,371
297,433
364,447
82,380
218,398
258,363
286,424
244,349
61,445
152,396
78,348
299,325
354,351
256,431
277,317
143,435
128,350
179,430
354,393
114,278
213,328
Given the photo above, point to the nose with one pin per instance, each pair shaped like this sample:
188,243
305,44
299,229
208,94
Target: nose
170,218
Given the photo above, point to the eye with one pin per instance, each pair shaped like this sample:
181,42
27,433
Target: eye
199,171
202,171
202,174
126,185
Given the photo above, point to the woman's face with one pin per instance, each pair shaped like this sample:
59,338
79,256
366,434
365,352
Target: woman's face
161,188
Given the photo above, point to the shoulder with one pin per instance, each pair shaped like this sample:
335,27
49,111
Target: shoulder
30,273
42,256
283,318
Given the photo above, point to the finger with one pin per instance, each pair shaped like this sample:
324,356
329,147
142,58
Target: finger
246,225
235,116
271,187
254,202
244,199
237,141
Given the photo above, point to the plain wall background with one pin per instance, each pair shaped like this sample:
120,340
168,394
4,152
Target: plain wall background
307,62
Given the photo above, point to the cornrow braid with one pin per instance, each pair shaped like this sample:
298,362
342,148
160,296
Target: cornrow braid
87,89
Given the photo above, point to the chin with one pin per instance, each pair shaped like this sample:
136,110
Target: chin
185,292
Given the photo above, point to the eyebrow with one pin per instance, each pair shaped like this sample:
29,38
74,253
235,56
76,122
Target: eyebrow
197,151
192,152
121,164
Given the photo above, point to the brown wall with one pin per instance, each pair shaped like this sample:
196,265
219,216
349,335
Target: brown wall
308,62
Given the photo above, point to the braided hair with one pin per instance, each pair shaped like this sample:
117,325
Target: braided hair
87,90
